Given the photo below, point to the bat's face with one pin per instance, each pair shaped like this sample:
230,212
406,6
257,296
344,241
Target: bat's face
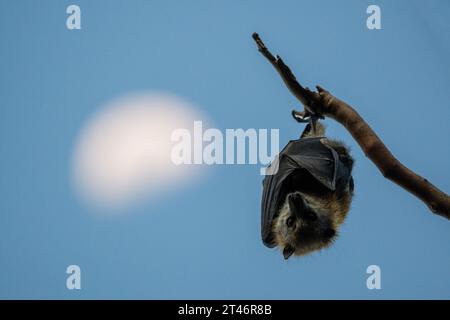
307,223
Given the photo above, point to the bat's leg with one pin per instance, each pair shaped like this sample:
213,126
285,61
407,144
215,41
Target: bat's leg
306,132
309,131
313,122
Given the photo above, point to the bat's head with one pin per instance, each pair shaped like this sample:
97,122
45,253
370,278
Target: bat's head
306,223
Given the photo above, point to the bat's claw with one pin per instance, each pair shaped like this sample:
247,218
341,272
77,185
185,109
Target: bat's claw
300,116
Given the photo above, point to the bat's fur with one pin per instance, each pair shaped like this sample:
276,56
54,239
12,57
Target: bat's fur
320,210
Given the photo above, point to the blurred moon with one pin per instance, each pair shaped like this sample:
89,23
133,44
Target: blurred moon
123,153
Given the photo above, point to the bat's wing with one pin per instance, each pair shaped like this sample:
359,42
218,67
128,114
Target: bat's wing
272,185
312,154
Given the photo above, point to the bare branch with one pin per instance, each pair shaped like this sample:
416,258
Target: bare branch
288,77
323,103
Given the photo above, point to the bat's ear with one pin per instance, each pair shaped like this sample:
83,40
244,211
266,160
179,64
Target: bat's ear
351,184
288,251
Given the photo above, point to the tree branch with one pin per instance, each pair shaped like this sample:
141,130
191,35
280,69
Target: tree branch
322,103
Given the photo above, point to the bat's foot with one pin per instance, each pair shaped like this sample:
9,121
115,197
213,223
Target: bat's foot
300,116
311,119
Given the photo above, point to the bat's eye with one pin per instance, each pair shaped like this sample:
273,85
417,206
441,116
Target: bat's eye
290,222
311,216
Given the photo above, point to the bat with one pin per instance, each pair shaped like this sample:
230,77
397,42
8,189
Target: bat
306,200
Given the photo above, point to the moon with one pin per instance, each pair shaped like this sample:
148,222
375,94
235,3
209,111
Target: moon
123,152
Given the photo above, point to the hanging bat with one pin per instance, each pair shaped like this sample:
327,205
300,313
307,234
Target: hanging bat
309,196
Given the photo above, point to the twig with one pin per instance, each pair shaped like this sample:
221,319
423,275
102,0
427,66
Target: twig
322,103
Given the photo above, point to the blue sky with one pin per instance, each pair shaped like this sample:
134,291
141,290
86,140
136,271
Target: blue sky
203,241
